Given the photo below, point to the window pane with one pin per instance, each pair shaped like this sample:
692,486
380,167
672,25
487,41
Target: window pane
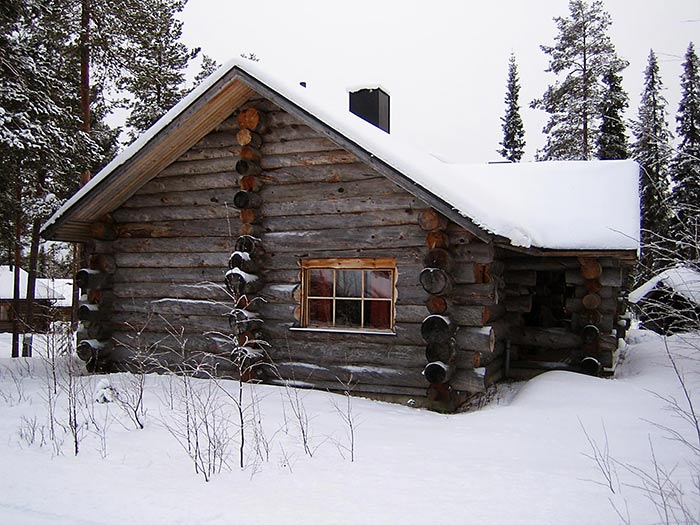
320,312
348,283
348,313
321,283
378,283
378,314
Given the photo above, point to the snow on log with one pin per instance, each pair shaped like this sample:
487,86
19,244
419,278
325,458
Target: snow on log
91,348
249,244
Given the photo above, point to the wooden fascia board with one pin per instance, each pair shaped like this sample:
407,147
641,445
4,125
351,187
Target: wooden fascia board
366,156
629,255
188,128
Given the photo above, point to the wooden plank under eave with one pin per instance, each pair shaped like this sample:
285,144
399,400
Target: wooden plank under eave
187,130
72,232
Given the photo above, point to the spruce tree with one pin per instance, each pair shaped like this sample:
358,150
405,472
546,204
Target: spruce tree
685,169
652,150
582,53
157,61
612,136
513,145
209,65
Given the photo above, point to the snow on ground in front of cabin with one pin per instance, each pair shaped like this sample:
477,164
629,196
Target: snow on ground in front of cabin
521,459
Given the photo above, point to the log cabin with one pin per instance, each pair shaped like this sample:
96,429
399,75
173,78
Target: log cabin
255,216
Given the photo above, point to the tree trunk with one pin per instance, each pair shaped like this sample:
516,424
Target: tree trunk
31,284
16,304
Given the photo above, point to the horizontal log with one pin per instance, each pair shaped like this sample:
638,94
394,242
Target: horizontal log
481,339
219,210
205,166
92,313
339,173
543,264
139,238
475,294
437,239
102,230
330,191
206,181
576,304
181,198
345,205
356,388
477,380
476,252
89,349
341,238
320,158
544,338
150,290
387,376
174,306
610,277
368,219
183,276
172,260
250,154
216,140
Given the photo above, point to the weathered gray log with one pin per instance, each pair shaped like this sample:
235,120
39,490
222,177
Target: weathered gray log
200,167
210,197
319,174
475,294
437,329
192,289
305,192
460,315
247,199
216,140
436,281
543,264
389,237
544,338
477,380
171,260
478,339
357,204
168,306
438,372
93,279
445,352
340,156
609,277
296,146
576,304
366,219
188,182
386,376
337,386
247,168
478,252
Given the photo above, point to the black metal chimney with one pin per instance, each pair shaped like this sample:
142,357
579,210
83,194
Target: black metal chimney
371,105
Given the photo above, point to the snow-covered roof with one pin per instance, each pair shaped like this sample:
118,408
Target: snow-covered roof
554,205
44,287
681,279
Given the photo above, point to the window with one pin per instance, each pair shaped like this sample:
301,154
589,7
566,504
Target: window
348,294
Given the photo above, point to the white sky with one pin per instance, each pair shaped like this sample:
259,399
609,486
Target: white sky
444,62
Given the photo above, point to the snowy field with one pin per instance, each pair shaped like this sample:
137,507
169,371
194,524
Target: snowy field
524,458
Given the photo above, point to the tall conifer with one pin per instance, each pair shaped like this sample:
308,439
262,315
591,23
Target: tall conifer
612,136
582,53
652,150
513,145
685,169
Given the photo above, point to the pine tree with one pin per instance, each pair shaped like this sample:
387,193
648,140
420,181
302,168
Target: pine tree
157,62
652,151
583,52
612,136
513,129
209,65
685,169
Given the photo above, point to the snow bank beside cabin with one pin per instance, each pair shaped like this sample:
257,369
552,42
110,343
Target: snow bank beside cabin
555,205
682,280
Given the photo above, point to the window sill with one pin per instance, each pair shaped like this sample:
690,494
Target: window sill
342,331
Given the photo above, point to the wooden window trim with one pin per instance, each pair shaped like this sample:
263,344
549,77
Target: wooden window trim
354,263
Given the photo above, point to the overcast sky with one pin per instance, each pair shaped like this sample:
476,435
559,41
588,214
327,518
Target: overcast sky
443,62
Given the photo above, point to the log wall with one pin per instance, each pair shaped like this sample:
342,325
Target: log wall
173,239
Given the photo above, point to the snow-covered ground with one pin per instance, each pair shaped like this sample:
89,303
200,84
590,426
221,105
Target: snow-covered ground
524,458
